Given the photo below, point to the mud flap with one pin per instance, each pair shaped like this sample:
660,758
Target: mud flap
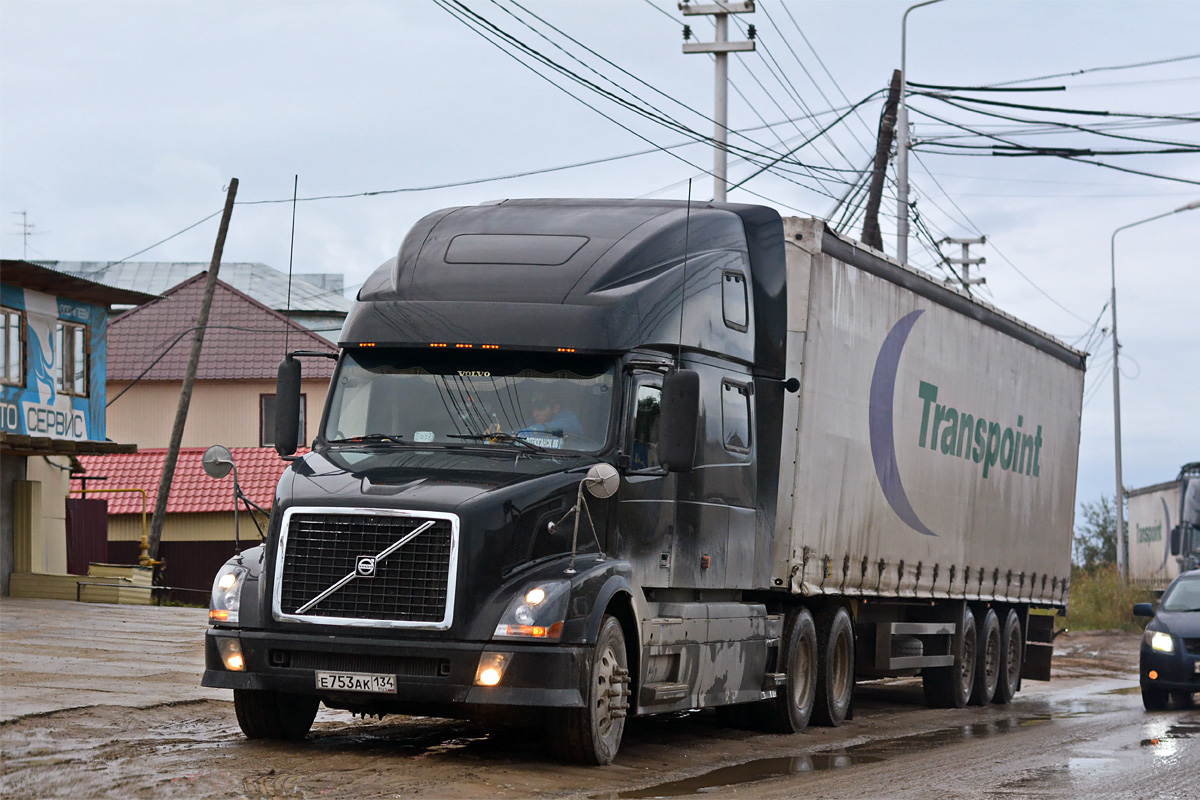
1039,647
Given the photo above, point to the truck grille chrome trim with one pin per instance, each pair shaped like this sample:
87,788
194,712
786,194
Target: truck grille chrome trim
408,580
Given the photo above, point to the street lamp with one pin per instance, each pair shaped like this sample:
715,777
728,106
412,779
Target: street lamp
1120,498
902,142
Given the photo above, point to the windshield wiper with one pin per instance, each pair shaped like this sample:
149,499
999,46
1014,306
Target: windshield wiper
370,437
498,436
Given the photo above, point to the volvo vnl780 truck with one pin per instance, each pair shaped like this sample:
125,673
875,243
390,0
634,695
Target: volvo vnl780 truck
601,458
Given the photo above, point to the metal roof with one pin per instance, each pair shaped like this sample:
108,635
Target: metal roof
87,289
265,284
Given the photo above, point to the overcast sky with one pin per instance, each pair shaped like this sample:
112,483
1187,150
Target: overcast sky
121,122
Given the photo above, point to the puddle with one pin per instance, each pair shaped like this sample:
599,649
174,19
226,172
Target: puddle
866,753
749,772
1184,730
1125,690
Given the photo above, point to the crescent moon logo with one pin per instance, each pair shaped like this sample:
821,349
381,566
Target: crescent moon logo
882,425
1167,538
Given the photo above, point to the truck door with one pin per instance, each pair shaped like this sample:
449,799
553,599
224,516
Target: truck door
646,501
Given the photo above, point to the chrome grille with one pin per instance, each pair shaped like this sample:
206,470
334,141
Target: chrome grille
411,585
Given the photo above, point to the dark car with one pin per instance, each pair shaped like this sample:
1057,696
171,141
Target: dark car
1170,662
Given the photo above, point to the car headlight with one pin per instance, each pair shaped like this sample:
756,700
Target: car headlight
1158,640
536,613
227,594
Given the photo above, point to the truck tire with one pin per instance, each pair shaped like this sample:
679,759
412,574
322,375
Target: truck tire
987,660
592,734
950,687
274,715
835,667
790,710
1012,656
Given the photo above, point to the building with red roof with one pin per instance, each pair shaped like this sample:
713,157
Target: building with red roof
232,404
234,395
198,533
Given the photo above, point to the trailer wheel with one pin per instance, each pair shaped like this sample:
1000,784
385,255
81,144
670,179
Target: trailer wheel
592,735
274,715
835,667
1011,658
789,711
987,661
950,687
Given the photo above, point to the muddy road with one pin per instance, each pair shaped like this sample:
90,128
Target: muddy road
155,733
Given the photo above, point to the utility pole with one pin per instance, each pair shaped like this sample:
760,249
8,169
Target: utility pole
720,47
872,236
966,261
189,380
902,142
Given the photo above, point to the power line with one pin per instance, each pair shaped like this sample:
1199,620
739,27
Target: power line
1099,69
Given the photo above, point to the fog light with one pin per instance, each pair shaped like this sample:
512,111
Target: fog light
1153,675
491,669
231,654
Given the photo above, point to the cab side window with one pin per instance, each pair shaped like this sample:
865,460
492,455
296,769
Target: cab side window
735,416
646,415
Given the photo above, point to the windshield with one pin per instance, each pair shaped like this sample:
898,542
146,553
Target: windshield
1183,596
534,401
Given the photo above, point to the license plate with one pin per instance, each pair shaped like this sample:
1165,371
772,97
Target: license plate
356,682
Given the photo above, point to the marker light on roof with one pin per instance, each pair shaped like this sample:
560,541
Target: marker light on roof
437,344
566,349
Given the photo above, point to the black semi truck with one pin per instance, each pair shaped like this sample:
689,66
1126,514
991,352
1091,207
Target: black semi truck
586,459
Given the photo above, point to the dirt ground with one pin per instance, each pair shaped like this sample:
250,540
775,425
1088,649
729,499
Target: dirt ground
1044,744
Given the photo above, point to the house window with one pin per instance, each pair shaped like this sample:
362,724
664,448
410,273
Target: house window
12,348
266,417
71,342
735,416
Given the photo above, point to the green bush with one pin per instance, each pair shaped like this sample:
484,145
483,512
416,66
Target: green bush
1100,601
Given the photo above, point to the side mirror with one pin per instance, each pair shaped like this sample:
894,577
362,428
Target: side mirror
287,407
1143,610
680,410
1176,540
602,481
217,461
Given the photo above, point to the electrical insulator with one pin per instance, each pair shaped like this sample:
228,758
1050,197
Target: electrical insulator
687,32
751,32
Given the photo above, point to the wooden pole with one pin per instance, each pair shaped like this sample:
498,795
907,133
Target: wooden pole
189,379
872,236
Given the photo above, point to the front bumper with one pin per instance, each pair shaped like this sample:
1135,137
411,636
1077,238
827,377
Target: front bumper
1176,672
434,673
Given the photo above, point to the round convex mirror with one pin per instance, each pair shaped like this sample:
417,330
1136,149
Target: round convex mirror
602,480
217,461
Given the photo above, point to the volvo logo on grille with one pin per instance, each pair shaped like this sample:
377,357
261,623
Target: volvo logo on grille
364,567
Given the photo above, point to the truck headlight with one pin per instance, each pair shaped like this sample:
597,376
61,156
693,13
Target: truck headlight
227,594
1158,640
538,612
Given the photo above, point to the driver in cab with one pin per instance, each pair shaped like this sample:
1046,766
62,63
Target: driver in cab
550,423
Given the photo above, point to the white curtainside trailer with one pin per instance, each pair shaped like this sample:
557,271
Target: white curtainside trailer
931,450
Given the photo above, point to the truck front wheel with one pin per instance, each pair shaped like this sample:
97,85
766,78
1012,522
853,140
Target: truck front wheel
835,667
592,734
274,715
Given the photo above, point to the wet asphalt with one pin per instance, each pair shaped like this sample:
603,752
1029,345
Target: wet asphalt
105,701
